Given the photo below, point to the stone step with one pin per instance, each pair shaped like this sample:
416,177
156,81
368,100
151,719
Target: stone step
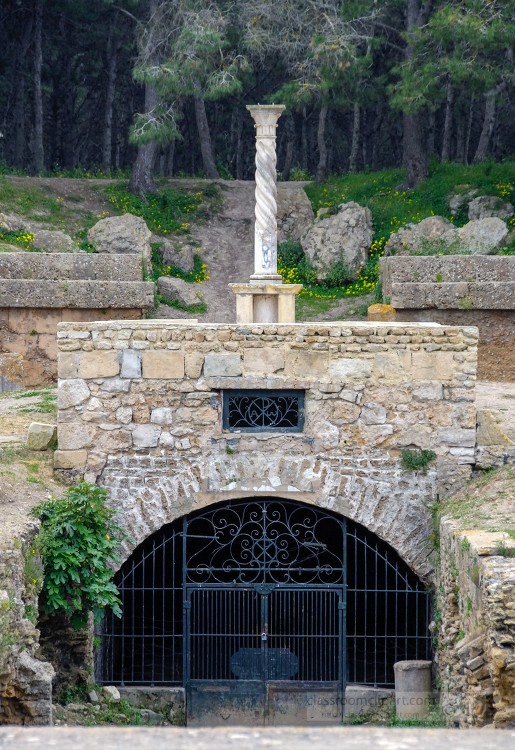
81,294
71,266
461,295
403,269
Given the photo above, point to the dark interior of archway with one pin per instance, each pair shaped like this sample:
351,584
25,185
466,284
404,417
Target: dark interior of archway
387,606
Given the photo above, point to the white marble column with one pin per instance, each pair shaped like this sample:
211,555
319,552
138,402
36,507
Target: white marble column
265,238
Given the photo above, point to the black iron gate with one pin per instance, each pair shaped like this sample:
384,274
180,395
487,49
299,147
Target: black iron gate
264,610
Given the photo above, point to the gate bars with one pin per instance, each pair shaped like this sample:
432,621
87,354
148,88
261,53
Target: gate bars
294,552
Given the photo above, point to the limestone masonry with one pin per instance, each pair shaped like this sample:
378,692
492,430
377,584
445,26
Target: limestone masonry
38,290
140,413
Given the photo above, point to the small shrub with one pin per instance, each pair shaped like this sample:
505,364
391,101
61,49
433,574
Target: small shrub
415,460
78,538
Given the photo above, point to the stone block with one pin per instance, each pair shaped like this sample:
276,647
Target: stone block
124,414
75,435
110,691
393,366
41,436
116,385
69,294
263,361
429,393
67,365
457,437
433,365
48,345
163,365
72,393
488,432
70,459
222,365
351,369
307,364
193,365
98,364
146,436
131,364
373,414
162,416
381,312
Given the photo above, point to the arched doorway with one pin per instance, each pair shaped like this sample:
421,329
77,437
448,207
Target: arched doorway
265,610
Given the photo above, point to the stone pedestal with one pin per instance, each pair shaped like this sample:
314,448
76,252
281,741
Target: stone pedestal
265,303
413,691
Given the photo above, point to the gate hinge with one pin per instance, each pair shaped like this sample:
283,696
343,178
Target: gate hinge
186,605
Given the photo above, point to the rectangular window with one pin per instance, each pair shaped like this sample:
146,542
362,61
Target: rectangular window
263,411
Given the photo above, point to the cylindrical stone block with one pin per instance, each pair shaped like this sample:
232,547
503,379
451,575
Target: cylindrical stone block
413,689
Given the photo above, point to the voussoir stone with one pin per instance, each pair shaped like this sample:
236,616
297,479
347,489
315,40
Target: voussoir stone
41,436
177,290
72,393
146,436
346,237
222,365
163,365
122,234
98,364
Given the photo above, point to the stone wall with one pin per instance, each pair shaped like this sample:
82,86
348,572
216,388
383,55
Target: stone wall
39,290
140,413
25,681
475,626
459,290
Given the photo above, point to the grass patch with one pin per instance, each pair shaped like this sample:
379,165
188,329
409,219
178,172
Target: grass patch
46,404
199,309
198,275
169,211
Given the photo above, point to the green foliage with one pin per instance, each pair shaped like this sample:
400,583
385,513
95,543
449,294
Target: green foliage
504,551
436,718
78,539
46,405
229,450
169,211
416,459
198,275
465,545
468,606
22,239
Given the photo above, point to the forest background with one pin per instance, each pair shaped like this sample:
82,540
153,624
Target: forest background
94,87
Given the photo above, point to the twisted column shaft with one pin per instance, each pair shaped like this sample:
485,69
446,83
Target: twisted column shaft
265,235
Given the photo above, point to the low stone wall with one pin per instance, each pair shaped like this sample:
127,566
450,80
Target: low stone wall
39,290
475,626
459,290
140,413
25,681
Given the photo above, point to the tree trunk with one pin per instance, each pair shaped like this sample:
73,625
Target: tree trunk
304,137
19,102
322,147
469,133
447,128
39,164
290,137
431,134
112,59
488,124
171,155
206,148
356,132
239,146
376,134
141,180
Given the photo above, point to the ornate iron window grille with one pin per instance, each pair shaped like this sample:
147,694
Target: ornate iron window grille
212,564
263,410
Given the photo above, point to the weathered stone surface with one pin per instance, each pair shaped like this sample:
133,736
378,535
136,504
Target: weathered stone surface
162,416
121,234
146,436
294,211
381,312
193,364
12,222
54,241
75,435
177,290
488,206
76,294
111,693
427,234
70,459
483,236
488,432
264,361
222,365
433,365
180,256
131,364
66,267
72,393
308,365
163,365
41,436
351,369
346,236
98,364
